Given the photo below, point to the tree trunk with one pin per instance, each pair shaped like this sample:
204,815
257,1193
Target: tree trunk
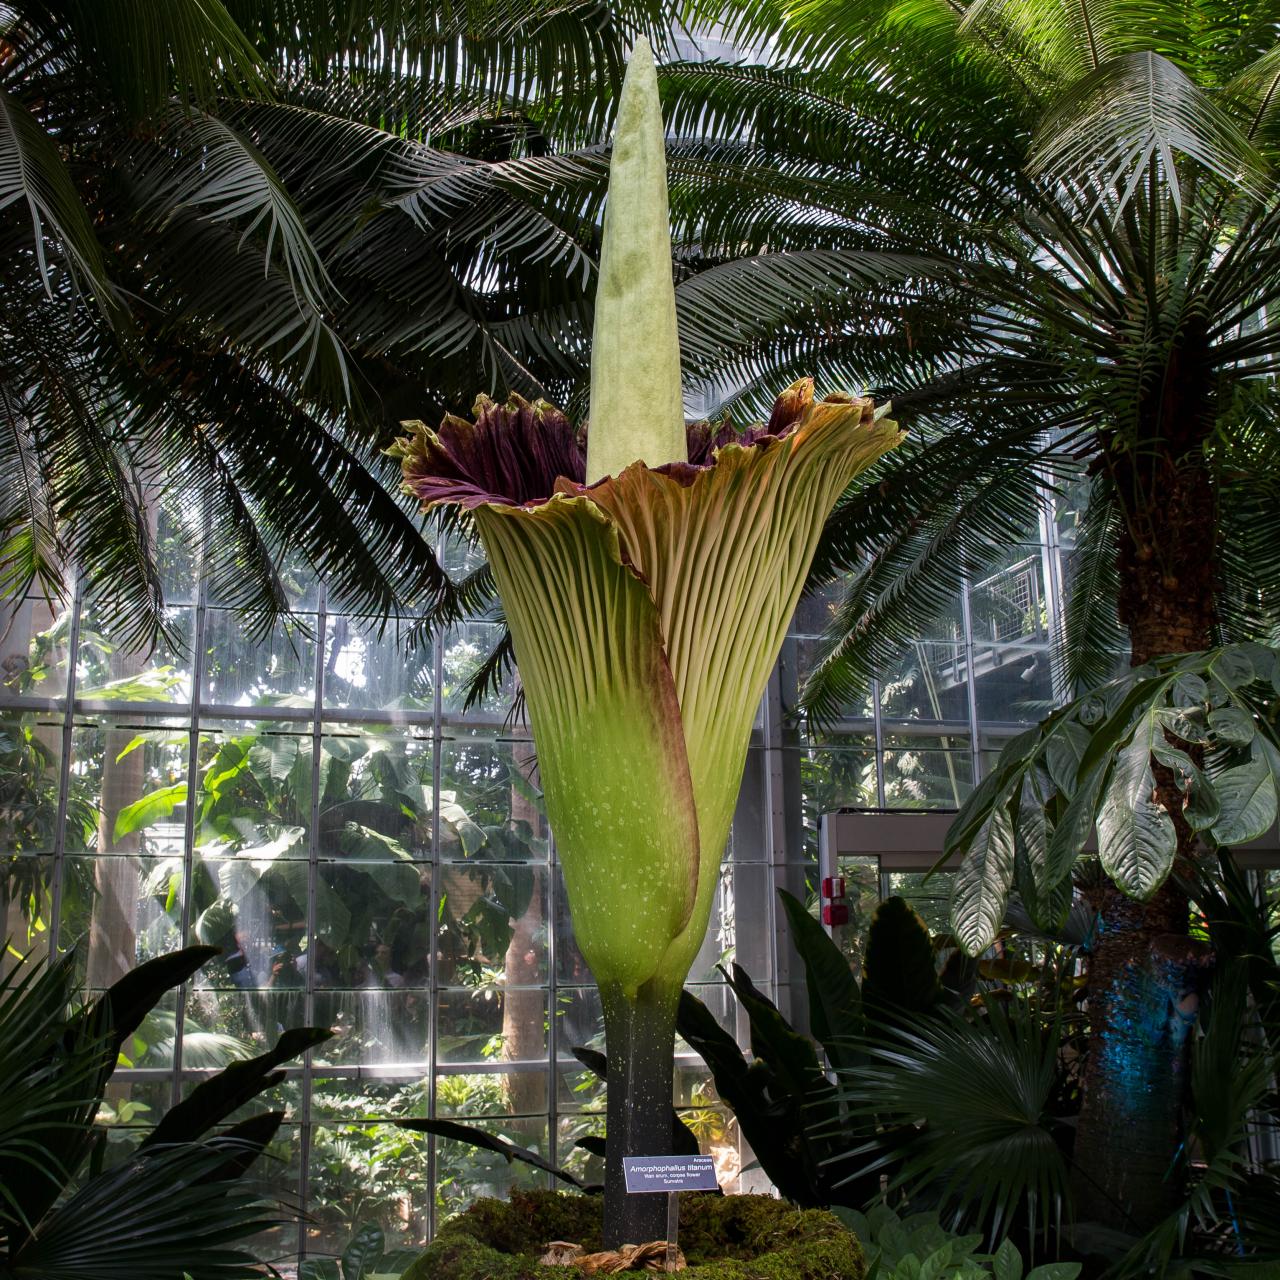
113,928
524,1002
640,1038
524,1010
1145,973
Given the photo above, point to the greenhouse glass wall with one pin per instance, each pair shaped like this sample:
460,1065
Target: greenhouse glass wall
371,856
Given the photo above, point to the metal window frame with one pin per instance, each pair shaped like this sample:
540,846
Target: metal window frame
911,840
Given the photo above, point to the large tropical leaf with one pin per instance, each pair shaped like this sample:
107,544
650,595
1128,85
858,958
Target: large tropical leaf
835,1001
213,1100
1136,837
452,1131
1094,761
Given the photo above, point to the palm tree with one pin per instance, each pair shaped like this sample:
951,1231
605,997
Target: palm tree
1050,232
239,241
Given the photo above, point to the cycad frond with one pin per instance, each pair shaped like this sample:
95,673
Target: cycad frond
952,506
33,173
204,165
192,48
1138,113
1091,634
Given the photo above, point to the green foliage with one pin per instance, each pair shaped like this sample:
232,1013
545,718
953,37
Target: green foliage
684,1135
1067,200
29,816
976,1095
301,223
789,1113
963,1106
372,894
1202,715
483,1141
173,1203
365,1258
920,1248
899,966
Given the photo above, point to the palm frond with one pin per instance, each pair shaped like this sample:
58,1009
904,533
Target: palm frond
1137,114
1068,39
30,548
936,515
989,1147
539,50
204,165
1249,594
1256,90
48,1085
1091,634
146,52
34,177
155,1216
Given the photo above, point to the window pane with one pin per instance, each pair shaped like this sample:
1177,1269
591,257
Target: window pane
1013,683
373,1026
131,776
1011,603
367,1173
119,911
106,672
927,773
492,924
34,633
931,897
26,899
491,804
243,670
490,1023
30,756
927,682
465,1174
465,650
375,793
371,665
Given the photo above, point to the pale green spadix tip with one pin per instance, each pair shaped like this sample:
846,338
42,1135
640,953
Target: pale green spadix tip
636,406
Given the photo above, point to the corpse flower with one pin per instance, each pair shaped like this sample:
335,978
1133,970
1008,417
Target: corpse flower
647,582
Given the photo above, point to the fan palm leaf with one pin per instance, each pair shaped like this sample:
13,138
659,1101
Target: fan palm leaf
988,1146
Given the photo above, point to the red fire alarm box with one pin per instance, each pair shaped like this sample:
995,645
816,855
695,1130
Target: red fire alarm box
835,913
833,886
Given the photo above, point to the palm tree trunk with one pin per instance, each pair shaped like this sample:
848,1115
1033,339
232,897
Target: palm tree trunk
1145,973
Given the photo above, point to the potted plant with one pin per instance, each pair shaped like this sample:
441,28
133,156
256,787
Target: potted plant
647,580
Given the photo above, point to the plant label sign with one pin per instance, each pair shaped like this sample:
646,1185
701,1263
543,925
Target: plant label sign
669,1173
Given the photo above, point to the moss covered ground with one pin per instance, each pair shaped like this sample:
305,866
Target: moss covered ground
723,1238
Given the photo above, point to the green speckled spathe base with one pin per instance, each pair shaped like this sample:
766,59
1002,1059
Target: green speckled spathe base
723,1237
